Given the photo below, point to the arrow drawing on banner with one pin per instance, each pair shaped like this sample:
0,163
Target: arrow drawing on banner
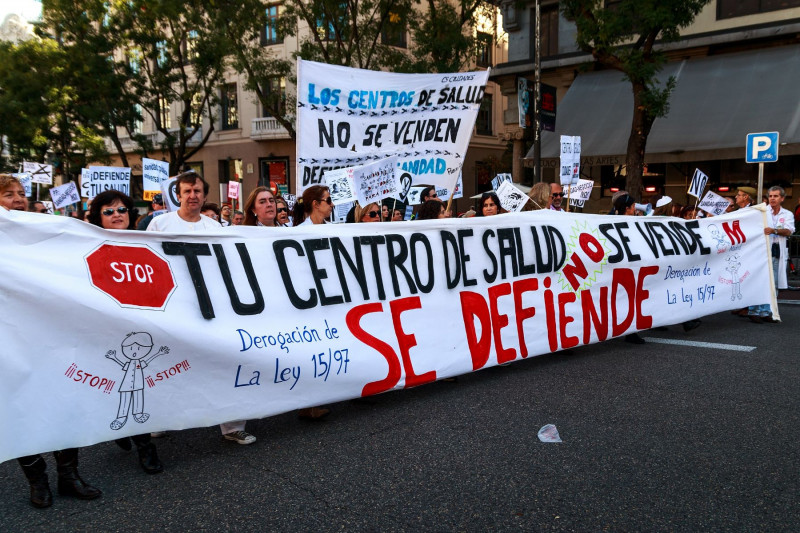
446,152
313,161
465,107
438,152
302,160
300,104
394,112
363,113
350,112
314,108
326,108
339,110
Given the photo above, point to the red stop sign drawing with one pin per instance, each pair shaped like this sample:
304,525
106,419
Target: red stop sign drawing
132,274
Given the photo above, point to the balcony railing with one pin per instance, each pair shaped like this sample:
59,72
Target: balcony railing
265,128
155,138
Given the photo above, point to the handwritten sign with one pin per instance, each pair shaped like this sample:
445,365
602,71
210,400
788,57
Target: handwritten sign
714,204
376,181
511,198
95,180
65,195
579,194
26,181
153,173
233,189
570,160
39,172
698,185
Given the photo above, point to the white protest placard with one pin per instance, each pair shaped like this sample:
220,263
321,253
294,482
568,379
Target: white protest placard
291,199
409,212
414,196
170,195
713,203
511,198
26,181
348,117
48,206
95,180
153,173
500,178
65,195
698,185
211,353
376,181
340,185
570,160
578,194
233,189
340,211
40,173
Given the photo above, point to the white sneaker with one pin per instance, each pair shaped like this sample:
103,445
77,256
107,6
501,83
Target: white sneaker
240,437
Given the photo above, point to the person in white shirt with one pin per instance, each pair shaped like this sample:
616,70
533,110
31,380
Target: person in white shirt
192,191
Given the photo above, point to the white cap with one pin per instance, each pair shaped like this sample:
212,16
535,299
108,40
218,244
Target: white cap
664,200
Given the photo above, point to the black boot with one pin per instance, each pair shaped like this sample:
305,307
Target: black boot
148,458
69,481
124,443
34,469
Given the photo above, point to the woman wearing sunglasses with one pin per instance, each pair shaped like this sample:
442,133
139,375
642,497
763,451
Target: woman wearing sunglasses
315,207
282,211
260,208
369,213
114,210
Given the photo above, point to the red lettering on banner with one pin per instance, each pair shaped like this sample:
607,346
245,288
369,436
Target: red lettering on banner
523,313
406,341
734,232
474,306
499,321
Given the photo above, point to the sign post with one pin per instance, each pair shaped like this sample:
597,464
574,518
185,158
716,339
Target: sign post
762,148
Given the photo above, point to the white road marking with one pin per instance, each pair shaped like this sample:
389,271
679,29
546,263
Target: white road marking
698,344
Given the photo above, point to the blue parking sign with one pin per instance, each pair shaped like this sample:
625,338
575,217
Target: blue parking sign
762,147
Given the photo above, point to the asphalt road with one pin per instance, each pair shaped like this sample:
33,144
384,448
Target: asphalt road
656,438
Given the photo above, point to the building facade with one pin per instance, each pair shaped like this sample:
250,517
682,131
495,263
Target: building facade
736,68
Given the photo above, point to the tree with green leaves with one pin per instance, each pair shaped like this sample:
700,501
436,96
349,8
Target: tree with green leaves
623,36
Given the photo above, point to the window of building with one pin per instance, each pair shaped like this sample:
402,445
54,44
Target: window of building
134,60
196,114
394,31
138,123
738,8
275,94
164,115
484,52
325,23
483,124
161,54
269,33
549,30
191,45
230,107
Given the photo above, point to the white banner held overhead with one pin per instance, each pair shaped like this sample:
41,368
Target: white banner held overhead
511,198
698,185
247,323
348,117
40,173
65,195
95,180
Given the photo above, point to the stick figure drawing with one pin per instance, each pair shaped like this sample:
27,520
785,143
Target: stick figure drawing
136,348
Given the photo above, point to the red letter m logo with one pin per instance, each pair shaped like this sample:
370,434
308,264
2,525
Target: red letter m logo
734,233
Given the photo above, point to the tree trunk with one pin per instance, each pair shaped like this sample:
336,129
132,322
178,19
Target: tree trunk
637,142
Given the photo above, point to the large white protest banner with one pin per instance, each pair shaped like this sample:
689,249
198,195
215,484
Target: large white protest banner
153,173
95,180
65,195
349,117
40,173
713,203
246,322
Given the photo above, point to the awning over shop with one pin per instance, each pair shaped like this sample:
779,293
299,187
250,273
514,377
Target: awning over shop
717,101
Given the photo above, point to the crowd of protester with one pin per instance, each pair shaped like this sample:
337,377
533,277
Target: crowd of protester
114,210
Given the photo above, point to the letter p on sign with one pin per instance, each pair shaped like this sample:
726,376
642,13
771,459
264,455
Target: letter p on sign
762,147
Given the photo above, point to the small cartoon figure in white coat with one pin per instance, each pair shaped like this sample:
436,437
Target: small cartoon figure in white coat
136,348
733,268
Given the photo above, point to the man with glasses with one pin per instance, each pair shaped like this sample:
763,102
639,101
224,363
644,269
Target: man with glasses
225,214
556,194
